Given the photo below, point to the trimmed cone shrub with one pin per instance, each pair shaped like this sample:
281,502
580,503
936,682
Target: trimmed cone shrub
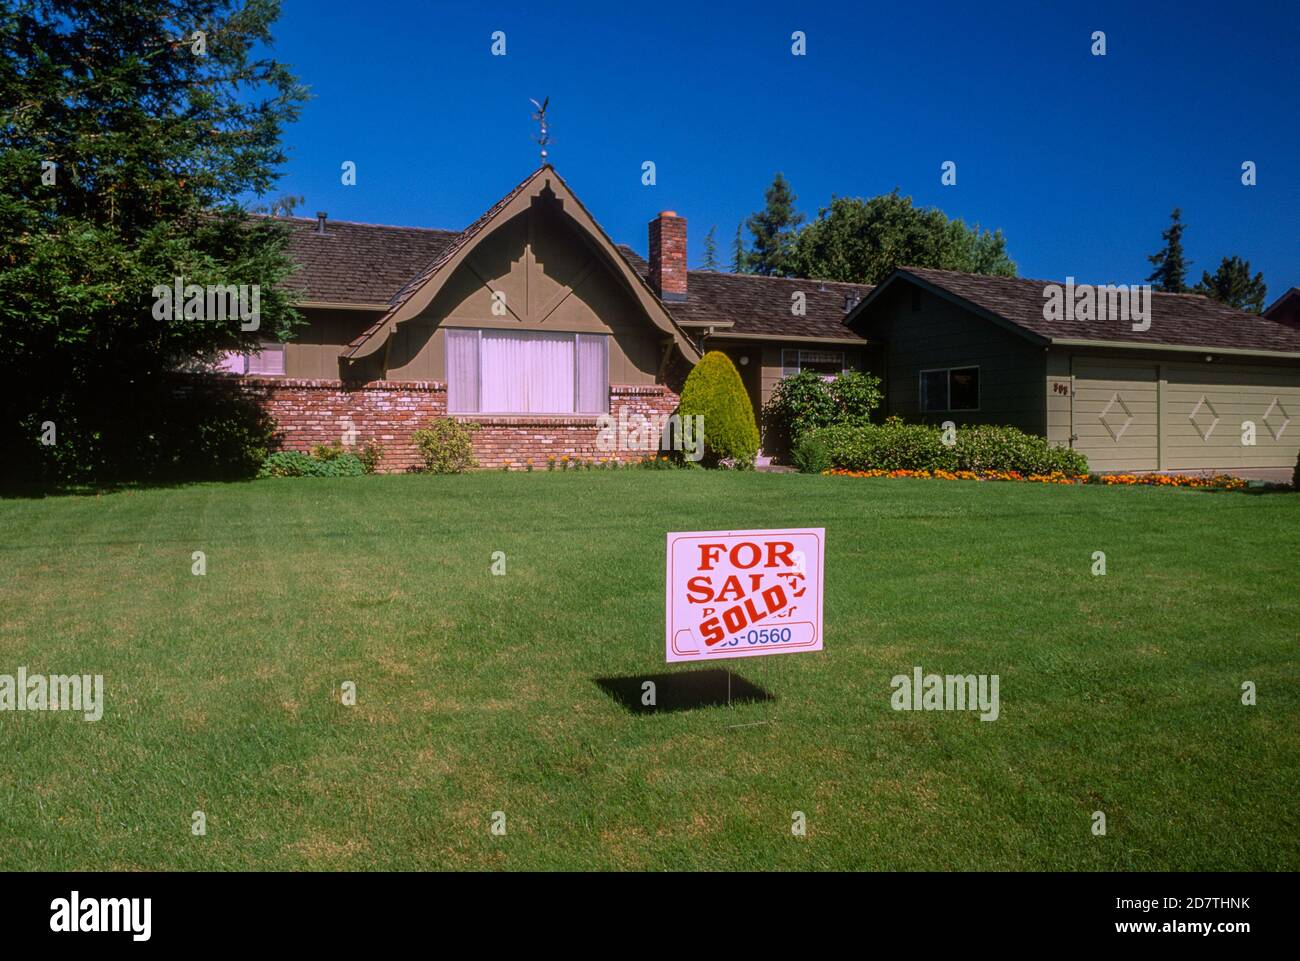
714,391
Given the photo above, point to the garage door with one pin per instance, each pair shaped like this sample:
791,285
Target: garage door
1115,415
1205,406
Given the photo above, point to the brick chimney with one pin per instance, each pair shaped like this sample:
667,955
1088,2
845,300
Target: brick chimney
668,256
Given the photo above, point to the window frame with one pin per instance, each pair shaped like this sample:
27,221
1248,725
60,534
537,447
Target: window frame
246,359
788,371
573,334
948,408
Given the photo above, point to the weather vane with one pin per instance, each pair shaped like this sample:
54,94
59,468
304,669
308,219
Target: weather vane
542,138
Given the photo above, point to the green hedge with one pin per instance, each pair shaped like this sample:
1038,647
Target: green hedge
894,445
714,390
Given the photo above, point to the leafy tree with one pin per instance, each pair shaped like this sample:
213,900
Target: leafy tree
710,250
128,132
1232,284
861,241
773,230
739,256
1170,273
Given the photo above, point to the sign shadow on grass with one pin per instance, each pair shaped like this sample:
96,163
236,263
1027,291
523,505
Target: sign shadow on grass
683,690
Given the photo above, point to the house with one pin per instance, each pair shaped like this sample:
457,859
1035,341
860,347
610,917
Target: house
531,322
1192,385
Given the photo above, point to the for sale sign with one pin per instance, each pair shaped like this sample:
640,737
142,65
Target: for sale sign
744,593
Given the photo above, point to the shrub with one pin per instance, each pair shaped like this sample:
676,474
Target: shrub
1295,475
328,451
894,445
811,453
372,452
799,403
447,446
986,448
714,391
286,463
805,401
294,463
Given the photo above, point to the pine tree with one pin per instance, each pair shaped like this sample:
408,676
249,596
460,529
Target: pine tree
130,133
1232,284
739,255
1170,274
773,230
710,249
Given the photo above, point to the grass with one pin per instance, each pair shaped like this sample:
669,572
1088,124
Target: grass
477,693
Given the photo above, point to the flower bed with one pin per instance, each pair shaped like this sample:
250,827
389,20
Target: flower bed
1196,481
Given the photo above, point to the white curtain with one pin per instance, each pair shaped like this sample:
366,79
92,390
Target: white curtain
462,371
527,372
269,360
593,373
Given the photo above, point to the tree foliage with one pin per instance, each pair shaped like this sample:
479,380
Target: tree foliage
710,250
861,241
152,118
1233,285
1170,273
773,229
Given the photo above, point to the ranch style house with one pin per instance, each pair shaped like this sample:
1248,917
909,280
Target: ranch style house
532,323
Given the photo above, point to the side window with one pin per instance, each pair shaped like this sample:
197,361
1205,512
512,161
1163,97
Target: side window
934,390
955,388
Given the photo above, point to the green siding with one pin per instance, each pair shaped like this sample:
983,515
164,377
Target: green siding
942,334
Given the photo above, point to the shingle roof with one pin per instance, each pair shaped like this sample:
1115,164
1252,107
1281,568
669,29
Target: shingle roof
763,305
1177,320
358,263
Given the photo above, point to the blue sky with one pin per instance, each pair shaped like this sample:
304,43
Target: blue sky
1079,159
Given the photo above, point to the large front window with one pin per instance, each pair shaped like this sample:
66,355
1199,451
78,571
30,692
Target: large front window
527,372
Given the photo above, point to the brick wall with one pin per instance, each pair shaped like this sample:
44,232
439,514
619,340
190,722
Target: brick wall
311,412
513,441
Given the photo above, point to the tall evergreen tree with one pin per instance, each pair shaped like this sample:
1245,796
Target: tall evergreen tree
710,249
1170,274
1232,284
773,230
129,131
739,255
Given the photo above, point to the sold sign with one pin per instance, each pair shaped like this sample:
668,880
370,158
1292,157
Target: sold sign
744,593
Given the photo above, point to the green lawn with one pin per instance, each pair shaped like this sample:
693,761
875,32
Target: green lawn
478,693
